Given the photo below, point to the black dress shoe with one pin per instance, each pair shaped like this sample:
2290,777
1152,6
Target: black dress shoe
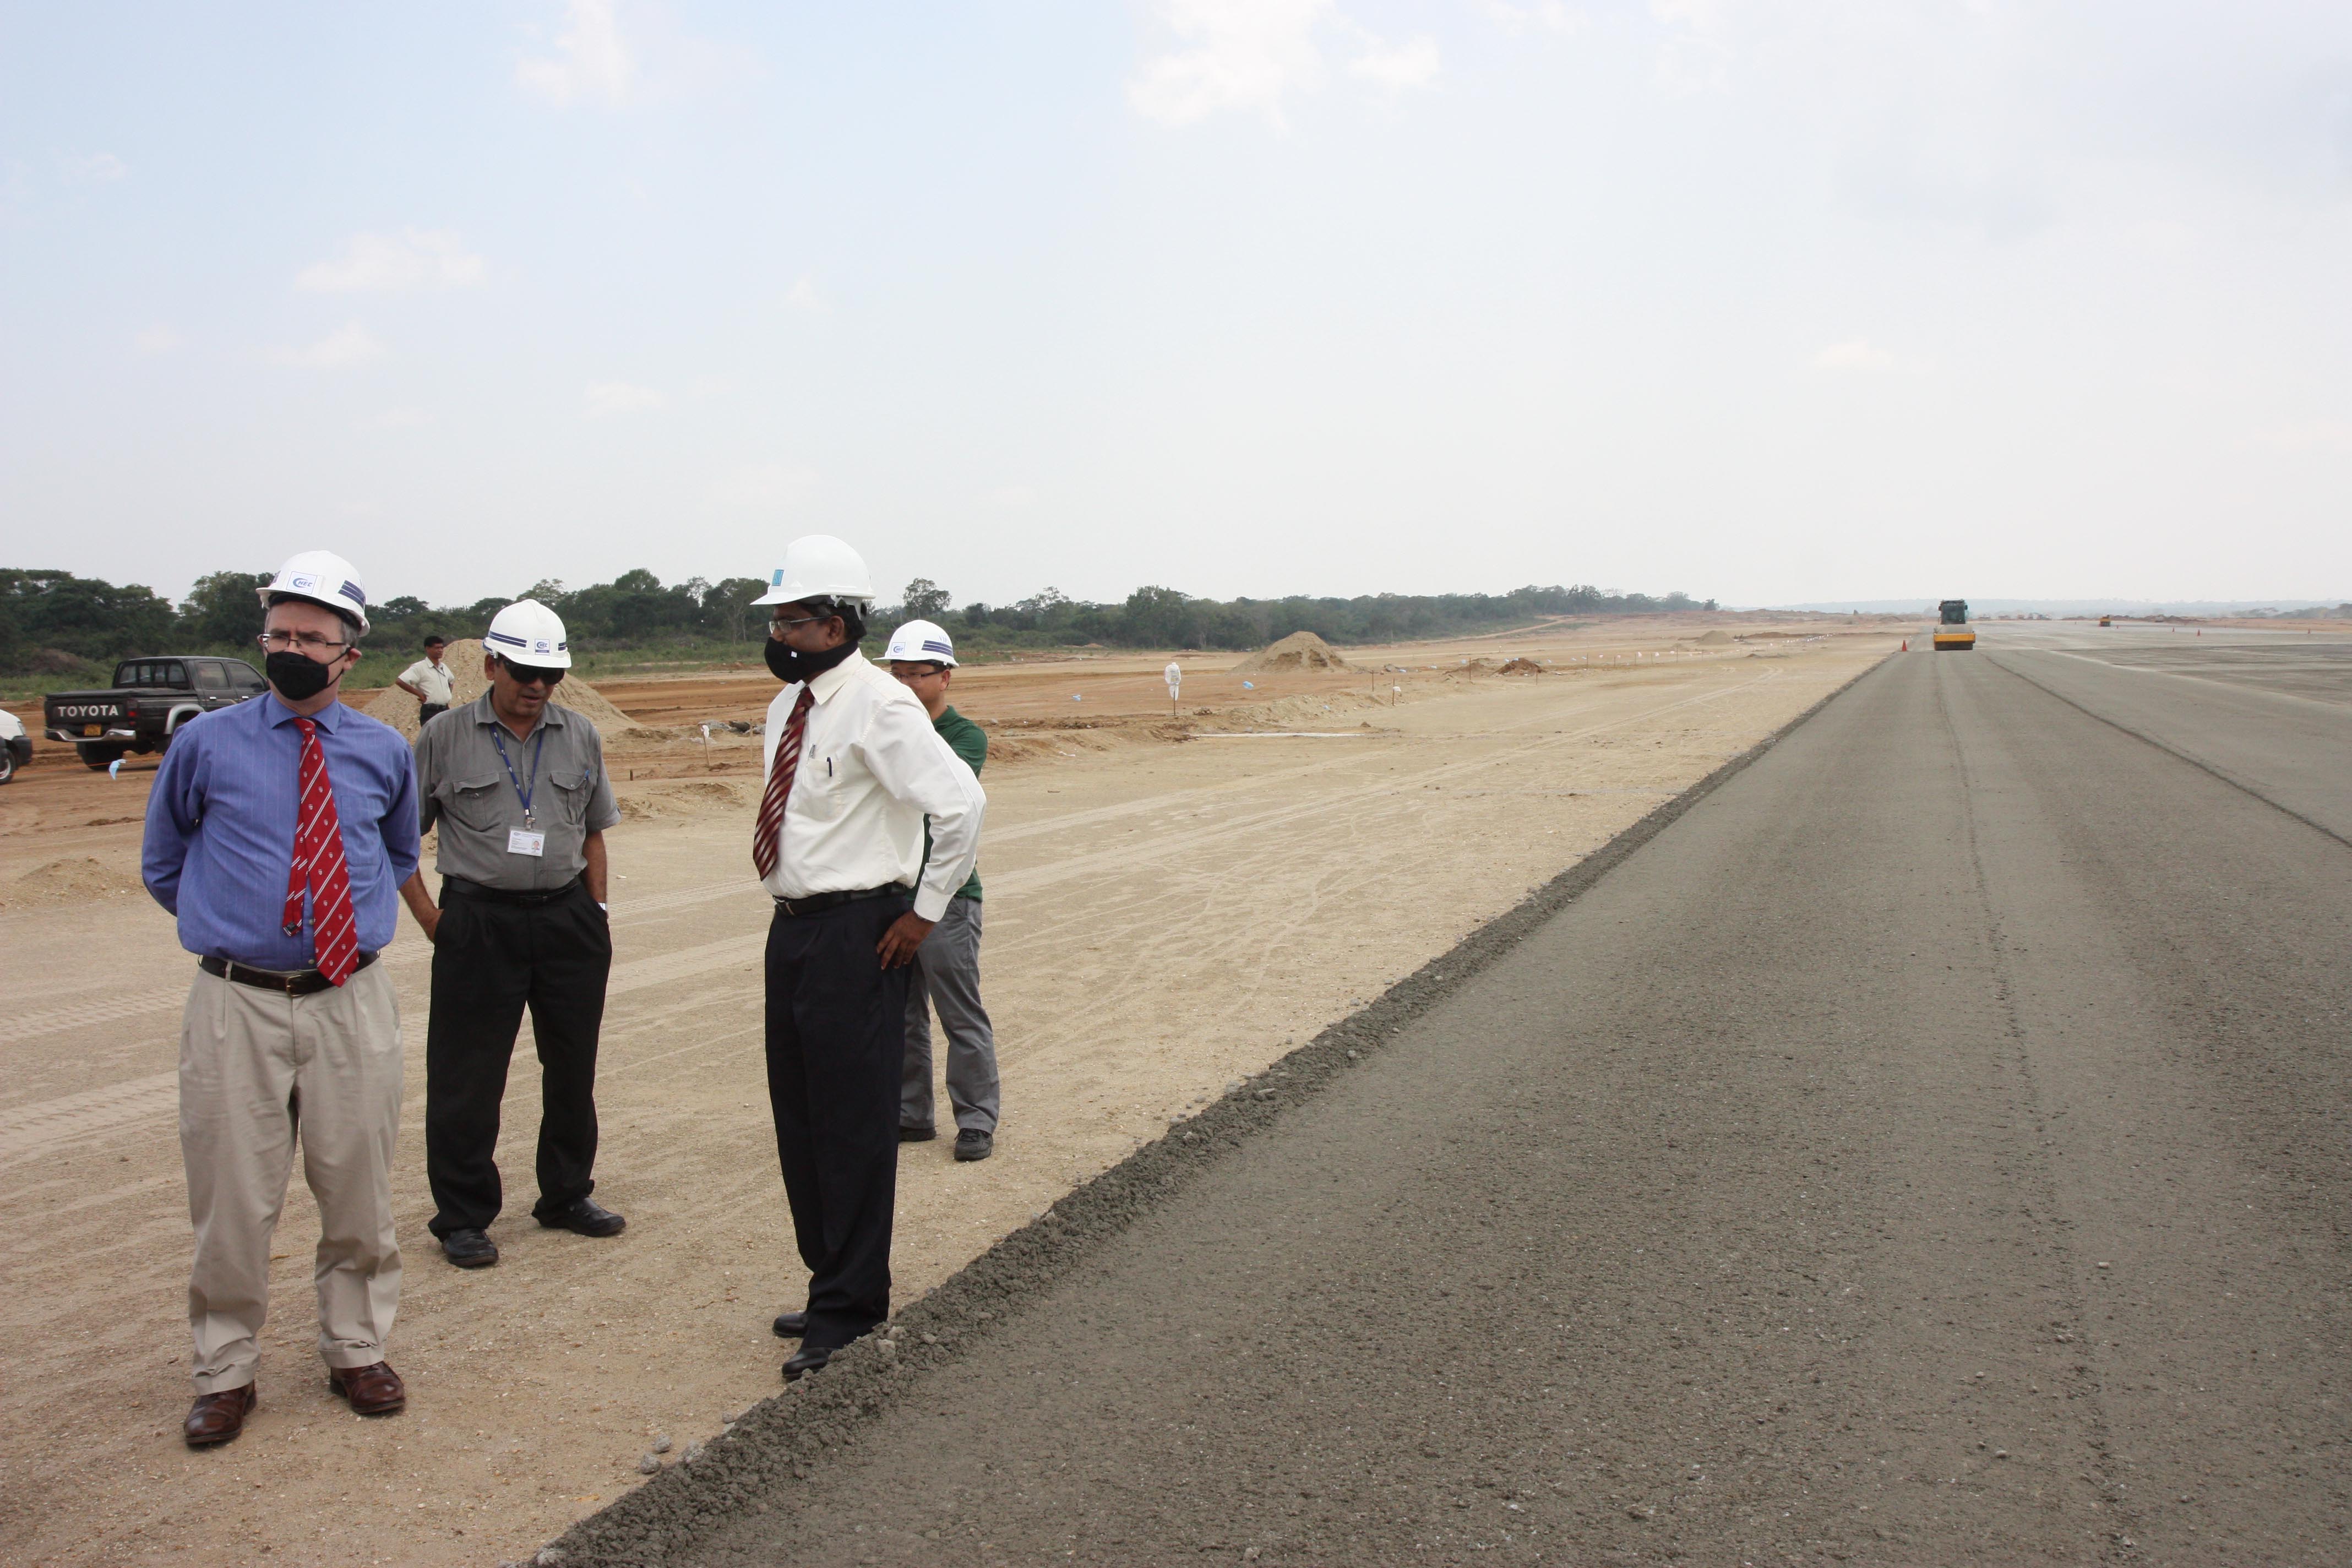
584,1218
791,1325
971,1143
806,1360
469,1250
917,1134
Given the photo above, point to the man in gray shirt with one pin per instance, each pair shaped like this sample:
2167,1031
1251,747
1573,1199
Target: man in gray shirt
517,785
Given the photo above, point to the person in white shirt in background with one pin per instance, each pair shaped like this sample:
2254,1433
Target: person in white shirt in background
429,681
854,767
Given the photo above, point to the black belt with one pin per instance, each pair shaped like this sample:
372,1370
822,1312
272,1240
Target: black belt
816,901
299,982
464,888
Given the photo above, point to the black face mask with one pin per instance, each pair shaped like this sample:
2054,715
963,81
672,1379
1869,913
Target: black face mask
789,664
296,676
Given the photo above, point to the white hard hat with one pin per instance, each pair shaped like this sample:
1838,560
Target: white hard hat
322,577
921,642
528,633
818,566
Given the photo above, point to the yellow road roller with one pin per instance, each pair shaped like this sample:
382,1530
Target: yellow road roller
1953,632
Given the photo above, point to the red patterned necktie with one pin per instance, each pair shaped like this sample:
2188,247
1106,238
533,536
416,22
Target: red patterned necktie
767,838
319,867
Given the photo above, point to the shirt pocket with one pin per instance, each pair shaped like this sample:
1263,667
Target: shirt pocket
568,801
471,803
820,788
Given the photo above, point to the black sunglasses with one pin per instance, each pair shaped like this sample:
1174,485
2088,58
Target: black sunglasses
530,674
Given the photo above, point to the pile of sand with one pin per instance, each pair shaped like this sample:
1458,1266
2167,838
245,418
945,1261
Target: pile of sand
77,880
1299,650
1715,638
700,798
1521,667
463,657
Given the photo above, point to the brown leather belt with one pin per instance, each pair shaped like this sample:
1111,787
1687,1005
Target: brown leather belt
815,901
300,983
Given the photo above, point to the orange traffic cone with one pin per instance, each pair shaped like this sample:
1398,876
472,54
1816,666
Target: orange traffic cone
1906,645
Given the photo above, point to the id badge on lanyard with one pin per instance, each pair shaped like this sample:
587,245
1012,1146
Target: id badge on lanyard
526,839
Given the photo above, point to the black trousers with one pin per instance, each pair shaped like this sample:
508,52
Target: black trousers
836,1039
428,711
491,961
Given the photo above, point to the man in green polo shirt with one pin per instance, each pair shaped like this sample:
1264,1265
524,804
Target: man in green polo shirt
947,965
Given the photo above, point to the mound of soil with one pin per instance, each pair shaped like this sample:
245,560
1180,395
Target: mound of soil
700,798
463,657
1715,638
1299,650
1521,667
74,880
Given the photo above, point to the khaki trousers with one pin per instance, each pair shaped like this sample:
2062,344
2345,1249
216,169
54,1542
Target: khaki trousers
257,1069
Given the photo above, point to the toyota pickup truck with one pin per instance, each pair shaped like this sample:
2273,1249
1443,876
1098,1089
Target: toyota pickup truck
151,698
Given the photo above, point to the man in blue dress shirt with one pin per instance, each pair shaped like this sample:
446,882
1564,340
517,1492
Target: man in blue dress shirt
278,831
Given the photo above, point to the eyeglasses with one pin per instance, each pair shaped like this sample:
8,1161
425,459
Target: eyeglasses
531,675
310,643
782,623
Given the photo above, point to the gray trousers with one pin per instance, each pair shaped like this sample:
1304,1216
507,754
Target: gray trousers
947,976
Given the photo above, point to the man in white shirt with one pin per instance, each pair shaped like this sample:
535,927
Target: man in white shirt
854,767
429,681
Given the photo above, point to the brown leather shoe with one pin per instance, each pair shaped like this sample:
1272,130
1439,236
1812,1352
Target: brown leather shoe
371,1390
219,1417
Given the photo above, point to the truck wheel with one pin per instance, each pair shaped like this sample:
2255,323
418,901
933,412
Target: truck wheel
97,757
7,764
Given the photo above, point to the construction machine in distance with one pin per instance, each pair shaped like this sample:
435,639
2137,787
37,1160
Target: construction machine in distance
1953,632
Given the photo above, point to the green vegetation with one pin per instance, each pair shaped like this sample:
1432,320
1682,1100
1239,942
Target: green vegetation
59,631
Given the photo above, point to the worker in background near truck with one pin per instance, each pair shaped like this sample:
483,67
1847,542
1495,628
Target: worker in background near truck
278,832
516,784
429,681
852,768
947,965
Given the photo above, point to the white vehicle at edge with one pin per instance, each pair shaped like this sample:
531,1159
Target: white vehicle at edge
16,746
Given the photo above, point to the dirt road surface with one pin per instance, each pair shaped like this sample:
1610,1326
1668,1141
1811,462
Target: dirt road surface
1929,1148
1164,916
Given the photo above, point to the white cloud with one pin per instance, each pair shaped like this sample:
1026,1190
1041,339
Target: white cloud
1860,355
2311,435
803,296
396,264
347,345
1250,55
601,399
1244,55
591,62
1695,54
1396,67
762,486
157,341
397,419
1012,497
1549,15
97,169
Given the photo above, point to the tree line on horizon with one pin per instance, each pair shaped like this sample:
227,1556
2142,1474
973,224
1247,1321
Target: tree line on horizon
55,622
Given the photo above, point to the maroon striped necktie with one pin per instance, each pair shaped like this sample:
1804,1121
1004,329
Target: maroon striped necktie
319,867
767,838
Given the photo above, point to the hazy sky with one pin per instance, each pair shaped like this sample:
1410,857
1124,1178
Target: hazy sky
1773,301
